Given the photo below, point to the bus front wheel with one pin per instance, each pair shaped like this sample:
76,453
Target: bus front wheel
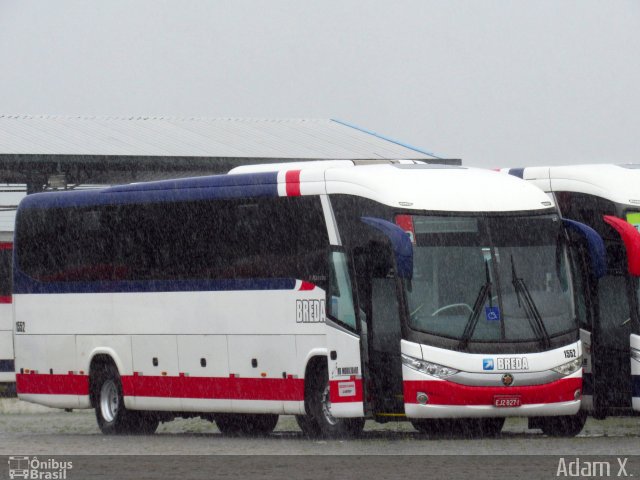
112,416
319,422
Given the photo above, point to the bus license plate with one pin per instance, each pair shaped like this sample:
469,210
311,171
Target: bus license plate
506,401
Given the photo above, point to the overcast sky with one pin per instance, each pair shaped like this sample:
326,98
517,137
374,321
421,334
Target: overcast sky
497,83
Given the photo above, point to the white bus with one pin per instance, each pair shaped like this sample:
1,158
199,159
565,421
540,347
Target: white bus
10,196
607,198
7,371
333,291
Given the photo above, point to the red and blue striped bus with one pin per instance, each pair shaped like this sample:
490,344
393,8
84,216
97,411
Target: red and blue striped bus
333,291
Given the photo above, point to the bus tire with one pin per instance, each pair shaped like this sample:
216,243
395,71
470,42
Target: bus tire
112,416
320,422
308,426
236,424
8,390
564,426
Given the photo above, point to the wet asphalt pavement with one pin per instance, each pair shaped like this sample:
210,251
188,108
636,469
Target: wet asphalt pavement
32,430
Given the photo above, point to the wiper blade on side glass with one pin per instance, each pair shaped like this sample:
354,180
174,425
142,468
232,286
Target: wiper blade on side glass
530,308
472,322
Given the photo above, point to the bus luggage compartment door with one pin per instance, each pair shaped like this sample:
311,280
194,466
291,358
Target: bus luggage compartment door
345,372
343,343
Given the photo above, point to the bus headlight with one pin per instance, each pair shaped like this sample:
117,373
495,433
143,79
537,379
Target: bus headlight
569,368
635,354
430,368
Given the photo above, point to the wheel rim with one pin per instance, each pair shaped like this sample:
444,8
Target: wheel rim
109,401
325,401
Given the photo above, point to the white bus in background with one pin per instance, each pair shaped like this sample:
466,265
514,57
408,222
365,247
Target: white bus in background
607,198
333,291
7,370
10,196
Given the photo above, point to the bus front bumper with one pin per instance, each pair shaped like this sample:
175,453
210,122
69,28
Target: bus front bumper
443,399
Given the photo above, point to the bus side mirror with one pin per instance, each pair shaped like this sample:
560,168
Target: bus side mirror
400,244
595,246
631,239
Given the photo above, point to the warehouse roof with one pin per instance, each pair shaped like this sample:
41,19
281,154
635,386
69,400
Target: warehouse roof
196,137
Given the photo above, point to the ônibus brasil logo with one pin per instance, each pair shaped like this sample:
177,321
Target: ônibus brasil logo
36,469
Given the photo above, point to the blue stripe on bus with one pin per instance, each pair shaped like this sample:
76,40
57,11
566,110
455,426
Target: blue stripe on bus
199,188
26,285
635,385
7,366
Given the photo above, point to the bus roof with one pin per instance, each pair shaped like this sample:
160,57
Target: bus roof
618,183
405,185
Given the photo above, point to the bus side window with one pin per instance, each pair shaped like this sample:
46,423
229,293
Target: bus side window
339,294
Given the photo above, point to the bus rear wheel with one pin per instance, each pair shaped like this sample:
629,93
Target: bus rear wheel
112,416
235,424
319,422
563,426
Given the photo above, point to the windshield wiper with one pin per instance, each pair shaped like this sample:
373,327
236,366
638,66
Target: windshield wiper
472,322
530,308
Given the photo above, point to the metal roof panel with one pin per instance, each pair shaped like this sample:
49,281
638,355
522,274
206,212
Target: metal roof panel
198,137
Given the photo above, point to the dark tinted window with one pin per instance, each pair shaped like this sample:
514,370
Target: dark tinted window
590,210
615,325
587,209
230,239
5,269
580,275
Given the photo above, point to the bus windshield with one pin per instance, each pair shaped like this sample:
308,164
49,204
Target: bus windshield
490,279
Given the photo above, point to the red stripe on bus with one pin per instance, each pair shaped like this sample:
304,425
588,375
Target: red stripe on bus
449,393
53,384
292,179
230,388
405,222
6,246
304,286
336,387
5,299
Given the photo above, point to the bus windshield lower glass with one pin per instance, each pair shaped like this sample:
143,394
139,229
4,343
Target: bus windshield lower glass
489,279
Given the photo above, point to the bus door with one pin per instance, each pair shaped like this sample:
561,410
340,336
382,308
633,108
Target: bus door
377,288
631,239
381,264
610,345
343,341
627,324
634,344
588,266
635,371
